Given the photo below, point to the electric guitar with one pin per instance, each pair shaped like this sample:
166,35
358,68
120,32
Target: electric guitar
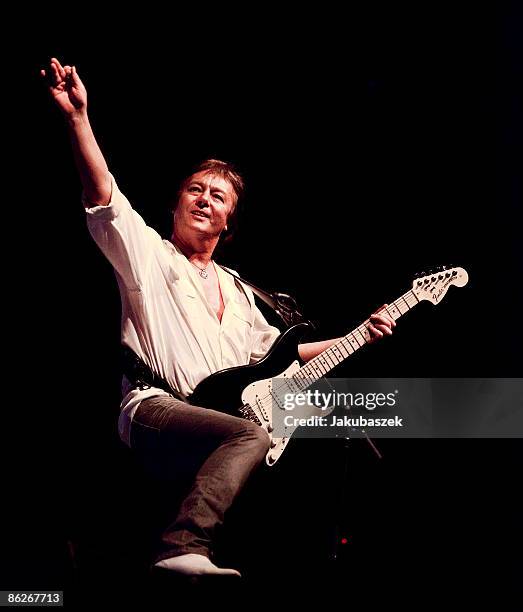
247,391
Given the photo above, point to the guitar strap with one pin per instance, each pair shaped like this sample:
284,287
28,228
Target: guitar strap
283,304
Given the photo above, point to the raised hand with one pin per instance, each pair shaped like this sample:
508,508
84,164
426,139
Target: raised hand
66,88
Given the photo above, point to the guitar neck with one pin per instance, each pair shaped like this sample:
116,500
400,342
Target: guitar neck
323,363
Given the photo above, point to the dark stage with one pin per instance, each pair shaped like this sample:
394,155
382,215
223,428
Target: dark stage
371,152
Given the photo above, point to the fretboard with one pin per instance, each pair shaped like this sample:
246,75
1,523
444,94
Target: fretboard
323,363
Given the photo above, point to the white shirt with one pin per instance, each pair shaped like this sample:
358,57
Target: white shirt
166,318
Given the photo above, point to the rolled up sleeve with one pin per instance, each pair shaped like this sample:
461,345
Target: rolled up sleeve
123,237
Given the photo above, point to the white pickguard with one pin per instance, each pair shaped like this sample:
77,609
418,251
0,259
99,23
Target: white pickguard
262,388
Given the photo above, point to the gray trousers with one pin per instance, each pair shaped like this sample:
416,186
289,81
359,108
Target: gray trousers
221,451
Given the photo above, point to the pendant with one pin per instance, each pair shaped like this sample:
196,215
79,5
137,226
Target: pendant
204,274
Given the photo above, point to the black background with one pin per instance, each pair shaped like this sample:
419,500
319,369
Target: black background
374,146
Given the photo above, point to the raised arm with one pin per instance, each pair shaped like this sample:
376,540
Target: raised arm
70,95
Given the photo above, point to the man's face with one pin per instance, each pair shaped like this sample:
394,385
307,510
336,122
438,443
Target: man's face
204,204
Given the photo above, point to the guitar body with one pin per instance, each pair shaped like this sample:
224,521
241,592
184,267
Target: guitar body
235,390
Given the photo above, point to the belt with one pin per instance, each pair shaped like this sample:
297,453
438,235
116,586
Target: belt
140,375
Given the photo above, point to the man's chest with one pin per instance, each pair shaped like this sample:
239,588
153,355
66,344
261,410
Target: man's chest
213,294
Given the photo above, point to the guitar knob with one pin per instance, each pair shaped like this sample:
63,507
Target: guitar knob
272,458
273,443
433,279
270,428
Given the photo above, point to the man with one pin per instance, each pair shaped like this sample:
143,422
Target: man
184,318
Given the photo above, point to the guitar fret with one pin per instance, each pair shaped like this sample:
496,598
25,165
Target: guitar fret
314,370
347,346
324,363
393,311
327,359
332,357
318,366
310,373
304,372
342,346
359,336
412,298
364,331
357,339
400,306
337,352
353,342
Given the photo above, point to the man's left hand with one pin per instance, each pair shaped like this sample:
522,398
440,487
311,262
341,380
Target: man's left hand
380,324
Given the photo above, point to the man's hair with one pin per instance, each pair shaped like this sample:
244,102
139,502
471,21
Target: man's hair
228,172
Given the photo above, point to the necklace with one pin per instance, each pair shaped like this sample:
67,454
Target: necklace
202,271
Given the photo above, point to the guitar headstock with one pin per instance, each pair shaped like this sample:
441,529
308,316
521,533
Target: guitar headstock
434,286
